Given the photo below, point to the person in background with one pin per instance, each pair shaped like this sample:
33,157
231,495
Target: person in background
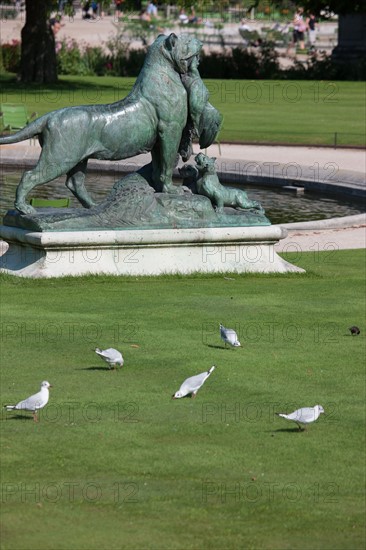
94,7
299,30
311,23
85,9
144,16
55,25
152,10
183,17
61,6
118,5
244,25
193,17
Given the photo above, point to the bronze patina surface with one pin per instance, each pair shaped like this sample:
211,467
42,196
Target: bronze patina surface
167,108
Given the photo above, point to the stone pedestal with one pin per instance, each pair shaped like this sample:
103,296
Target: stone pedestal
143,252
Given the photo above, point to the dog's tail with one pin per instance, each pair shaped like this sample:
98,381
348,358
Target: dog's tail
29,131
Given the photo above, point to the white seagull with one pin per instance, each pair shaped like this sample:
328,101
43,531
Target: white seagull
192,384
112,356
306,415
229,336
34,402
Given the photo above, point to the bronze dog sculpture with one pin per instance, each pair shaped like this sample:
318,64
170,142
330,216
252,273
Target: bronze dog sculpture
204,120
151,118
208,184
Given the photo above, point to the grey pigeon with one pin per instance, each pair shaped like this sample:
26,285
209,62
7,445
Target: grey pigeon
355,331
111,356
229,336
34,402
192,384
305,415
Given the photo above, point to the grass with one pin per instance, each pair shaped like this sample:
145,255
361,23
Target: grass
115,463
295,112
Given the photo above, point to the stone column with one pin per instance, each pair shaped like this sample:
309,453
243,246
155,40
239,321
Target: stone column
351,38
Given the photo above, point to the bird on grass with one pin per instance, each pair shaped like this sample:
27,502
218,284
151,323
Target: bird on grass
192,385
34,402
355,331
229,336
111,356
306,415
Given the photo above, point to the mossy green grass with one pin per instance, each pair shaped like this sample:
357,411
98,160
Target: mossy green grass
115,463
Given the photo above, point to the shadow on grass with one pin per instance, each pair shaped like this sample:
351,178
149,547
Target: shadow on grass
9,83
289,430
106,369
19,417
216,347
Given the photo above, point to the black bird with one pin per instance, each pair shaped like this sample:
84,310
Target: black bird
355,331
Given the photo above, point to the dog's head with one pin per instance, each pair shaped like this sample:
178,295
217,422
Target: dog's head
182,51
205,163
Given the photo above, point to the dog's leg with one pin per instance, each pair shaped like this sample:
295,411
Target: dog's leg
75,182
40,174
170,137
219,201
25,185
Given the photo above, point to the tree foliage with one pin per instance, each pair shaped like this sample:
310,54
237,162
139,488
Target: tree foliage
326,6
335,6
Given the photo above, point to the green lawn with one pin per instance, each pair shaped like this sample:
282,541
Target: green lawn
297,112
114,463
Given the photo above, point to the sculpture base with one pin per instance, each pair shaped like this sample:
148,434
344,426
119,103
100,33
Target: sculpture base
143,252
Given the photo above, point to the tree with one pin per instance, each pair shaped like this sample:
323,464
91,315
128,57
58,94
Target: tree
351,45
340,7
38,54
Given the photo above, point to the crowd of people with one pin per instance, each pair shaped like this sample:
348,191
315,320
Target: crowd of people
92,10
190,19
295,33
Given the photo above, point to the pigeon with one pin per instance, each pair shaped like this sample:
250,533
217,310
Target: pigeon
355,331
229,336
34,402
192,384
112,356
305,415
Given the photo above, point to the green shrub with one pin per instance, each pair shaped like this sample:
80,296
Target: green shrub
261,62
96,60
10,54
70,59
322,64
268,61
246,63
242,63
134,61
216,65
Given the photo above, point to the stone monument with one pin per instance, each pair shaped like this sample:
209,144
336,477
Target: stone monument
147,224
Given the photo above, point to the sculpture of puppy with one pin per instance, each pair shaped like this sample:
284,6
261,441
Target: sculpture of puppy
208,184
